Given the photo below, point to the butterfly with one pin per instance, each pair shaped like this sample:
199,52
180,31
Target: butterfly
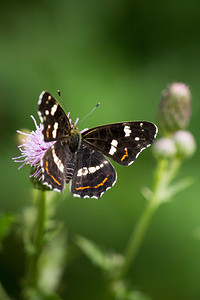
79,158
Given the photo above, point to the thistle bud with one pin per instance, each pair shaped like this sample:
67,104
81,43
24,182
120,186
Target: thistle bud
36,179
164,148
185,143
175,108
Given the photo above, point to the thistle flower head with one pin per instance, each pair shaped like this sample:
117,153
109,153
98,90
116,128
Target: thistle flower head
33,149
164,148
175,108
185,143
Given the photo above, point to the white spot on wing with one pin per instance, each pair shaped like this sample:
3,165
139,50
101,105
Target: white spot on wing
53,109
82,172
127,130
113,149
57,161
40,97
141,125
77,195
54,132
46,112
92,169
114,143
137,138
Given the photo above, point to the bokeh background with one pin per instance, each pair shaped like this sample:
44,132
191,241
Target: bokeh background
123,54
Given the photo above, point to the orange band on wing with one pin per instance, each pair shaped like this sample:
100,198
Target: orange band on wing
47,132
47,170
125,155
93,187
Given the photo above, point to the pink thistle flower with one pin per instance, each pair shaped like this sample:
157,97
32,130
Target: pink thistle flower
33,149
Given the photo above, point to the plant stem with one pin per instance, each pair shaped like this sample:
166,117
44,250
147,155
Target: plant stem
38,242
137,235
140,230
173,168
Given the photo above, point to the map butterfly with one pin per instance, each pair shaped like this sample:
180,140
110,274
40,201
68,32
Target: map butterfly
79,157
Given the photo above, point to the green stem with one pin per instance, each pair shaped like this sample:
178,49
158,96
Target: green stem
137,236
173,168
38,242
140,230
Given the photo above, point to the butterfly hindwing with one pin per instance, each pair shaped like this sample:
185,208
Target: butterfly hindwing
55,122
122,142
57,166
93,173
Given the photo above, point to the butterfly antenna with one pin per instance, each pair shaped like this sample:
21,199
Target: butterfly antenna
90,112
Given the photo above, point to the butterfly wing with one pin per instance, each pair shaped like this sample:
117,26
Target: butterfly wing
122,142
55,122
57,166
93,173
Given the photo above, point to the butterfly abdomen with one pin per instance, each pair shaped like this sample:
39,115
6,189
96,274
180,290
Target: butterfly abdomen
69,170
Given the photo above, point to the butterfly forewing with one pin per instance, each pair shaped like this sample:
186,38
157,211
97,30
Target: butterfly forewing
93,173
122,141
55,122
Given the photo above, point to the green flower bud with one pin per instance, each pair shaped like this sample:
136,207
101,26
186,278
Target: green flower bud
164,148
185,143
37,182
174,110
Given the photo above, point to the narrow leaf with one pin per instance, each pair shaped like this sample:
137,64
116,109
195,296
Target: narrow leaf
91,250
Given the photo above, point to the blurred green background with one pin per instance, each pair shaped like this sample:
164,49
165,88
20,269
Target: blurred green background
123,54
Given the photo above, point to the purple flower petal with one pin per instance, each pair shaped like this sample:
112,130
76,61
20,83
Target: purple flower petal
33,149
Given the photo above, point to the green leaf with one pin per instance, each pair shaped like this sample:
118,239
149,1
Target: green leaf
92,251
110,262
146,192
3,294
179,186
